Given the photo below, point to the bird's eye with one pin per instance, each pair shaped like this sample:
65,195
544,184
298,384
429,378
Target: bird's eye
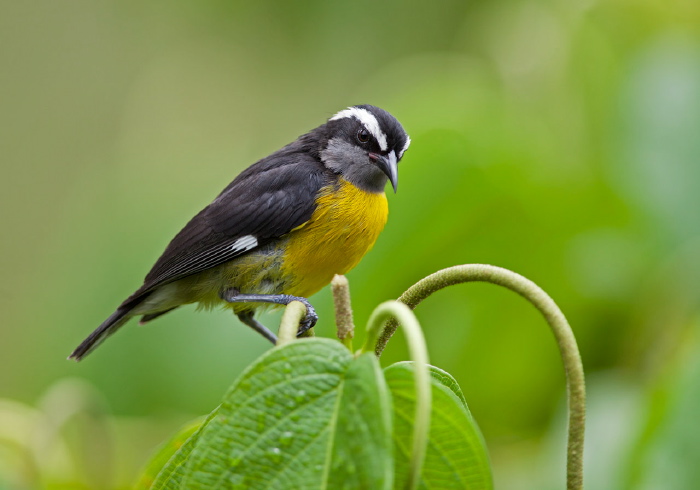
363,135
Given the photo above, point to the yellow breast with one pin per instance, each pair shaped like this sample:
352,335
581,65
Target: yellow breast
344,227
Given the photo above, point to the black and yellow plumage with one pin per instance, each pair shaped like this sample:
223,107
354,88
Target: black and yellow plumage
281,229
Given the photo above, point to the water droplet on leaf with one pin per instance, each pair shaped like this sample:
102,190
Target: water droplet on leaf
286,438
275,454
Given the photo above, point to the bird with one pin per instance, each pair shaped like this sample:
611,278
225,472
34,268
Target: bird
280,230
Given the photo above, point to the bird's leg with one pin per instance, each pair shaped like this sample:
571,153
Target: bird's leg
234,296
247,318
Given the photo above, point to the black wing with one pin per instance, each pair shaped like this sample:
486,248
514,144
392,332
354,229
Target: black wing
266,201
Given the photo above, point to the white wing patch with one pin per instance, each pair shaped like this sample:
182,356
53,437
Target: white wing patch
405,147
244,243
368,121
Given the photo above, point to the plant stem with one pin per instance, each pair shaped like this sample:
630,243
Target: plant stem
566,341
343,310
294,312
419,355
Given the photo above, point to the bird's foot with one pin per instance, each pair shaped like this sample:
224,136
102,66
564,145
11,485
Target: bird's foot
309,320
235,296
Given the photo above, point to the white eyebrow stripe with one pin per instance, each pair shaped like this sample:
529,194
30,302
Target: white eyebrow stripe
405,147
368,121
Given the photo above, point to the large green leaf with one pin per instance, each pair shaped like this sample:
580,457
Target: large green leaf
363,450
456,455
174,453
305,415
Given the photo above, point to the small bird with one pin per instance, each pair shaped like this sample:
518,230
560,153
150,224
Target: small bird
281,230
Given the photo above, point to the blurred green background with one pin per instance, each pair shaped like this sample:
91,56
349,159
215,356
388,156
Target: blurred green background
560,139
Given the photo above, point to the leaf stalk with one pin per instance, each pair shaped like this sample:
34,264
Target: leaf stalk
419,355
563,334
294,312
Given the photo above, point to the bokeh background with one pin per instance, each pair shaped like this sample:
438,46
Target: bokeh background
560,139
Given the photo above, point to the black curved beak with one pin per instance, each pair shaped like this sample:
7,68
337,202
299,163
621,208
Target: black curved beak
387,164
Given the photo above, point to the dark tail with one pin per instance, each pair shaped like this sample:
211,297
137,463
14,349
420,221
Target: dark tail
108,327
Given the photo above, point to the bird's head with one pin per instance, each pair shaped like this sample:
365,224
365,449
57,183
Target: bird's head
364,144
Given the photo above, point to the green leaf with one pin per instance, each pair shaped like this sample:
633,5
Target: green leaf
363,449
446,380
170,455
456,455
305,415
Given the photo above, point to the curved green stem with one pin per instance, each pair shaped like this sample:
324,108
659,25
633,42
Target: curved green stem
294,312
566,341
419,355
